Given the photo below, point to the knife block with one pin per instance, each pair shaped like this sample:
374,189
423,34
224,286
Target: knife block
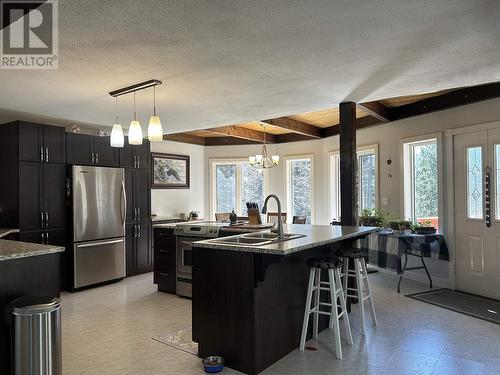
254,216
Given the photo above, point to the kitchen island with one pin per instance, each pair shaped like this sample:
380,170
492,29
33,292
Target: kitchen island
248,300
25,269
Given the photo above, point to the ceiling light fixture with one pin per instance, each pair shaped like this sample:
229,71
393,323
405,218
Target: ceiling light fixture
117,138
155,130
263,161
135,130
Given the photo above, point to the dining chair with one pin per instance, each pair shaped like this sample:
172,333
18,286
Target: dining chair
272,217
299,219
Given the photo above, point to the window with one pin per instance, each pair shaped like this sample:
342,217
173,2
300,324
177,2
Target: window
233,184
475,182
367,179
421,190
299,186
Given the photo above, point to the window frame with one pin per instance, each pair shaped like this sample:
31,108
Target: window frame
406,181
334,178
288,202
213,182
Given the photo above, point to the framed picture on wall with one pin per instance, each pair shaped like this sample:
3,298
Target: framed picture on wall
170,171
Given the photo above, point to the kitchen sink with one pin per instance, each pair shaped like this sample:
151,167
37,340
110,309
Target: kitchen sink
273,236
257,239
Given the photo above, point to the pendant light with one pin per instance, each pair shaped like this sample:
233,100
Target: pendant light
117,138
135,130
263,160
155,130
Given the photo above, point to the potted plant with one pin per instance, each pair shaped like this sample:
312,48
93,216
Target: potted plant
193,215
425,227
372,218
400,226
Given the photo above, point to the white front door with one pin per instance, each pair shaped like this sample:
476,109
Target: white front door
477,250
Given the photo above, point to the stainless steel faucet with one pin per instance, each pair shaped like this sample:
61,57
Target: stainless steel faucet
280,220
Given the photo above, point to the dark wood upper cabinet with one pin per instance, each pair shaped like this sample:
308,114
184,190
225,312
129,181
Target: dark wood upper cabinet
143,154
38,142
31,212
91,150
104,154
135,156
79,149
31,142
54,144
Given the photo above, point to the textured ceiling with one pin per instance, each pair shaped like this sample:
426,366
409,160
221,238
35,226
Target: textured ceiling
229,62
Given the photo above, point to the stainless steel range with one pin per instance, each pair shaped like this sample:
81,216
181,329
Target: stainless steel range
186,234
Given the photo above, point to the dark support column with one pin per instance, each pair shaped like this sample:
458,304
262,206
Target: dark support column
348,164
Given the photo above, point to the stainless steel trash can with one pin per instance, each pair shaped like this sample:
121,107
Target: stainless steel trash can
37,336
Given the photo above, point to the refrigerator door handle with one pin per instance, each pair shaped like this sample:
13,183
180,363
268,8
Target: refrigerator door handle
123,203
94,244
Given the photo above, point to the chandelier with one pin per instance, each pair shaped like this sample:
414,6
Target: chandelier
155,131
263,160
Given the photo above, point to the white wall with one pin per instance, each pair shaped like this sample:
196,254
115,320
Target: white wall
388,137
170,202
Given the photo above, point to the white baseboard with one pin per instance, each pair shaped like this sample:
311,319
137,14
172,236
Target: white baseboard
420,277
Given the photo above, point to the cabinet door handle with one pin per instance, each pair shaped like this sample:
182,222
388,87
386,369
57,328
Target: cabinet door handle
92,158
42,220
163,251
138,213
46,238
43,237
46,219
138,161
138,230
46,154
97,158
41,154
163,274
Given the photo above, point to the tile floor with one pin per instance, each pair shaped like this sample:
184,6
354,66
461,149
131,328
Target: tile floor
108,330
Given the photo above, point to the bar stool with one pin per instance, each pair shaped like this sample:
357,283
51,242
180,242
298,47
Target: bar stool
334,287
362,292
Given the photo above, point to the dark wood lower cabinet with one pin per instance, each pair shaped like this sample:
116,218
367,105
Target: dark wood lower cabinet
139,253
164,259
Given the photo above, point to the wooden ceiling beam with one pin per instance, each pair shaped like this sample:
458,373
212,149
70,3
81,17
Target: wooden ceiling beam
291,137
228,141
185,138
455,98
362,122
377,110
243,133
295,126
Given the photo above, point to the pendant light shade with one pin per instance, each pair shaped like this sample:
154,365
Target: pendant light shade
155,130
135,133
135,130
117,138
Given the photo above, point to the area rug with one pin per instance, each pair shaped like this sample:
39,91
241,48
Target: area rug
465,303
181,340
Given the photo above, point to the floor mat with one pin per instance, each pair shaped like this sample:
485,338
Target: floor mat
469,304
181,340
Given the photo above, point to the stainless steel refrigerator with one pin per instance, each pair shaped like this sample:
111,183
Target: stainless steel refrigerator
99,208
